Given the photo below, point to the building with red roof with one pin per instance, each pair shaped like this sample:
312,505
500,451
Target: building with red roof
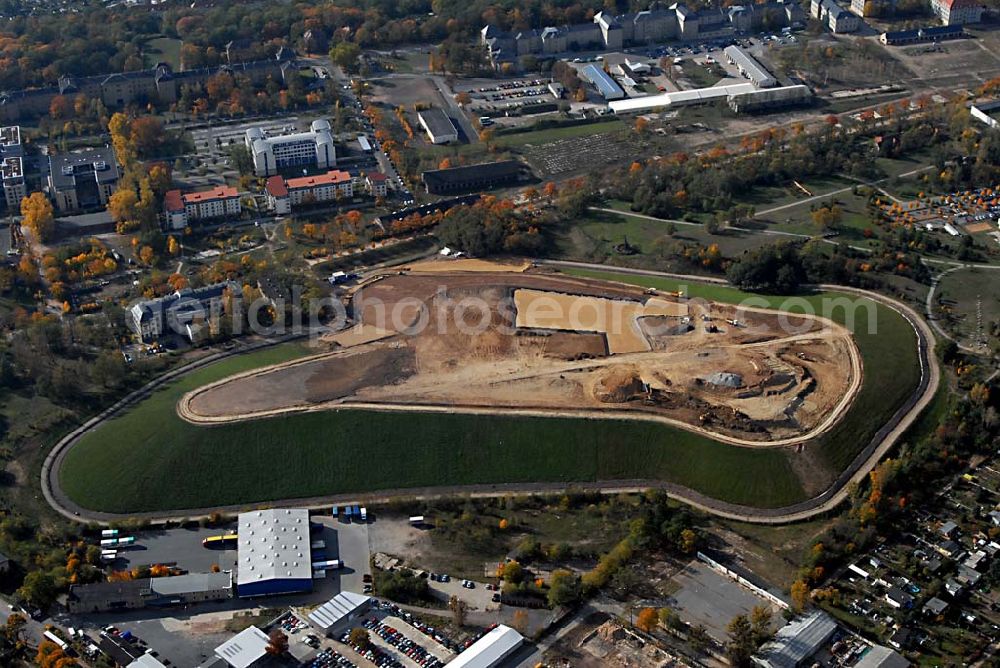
958,12
283,194
182,209
377,184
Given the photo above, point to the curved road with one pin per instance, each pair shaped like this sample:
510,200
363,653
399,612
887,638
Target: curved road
837,493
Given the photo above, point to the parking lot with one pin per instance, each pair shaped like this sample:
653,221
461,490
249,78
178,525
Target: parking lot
708,598
177,547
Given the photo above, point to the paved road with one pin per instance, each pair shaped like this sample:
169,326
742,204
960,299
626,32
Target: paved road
836,494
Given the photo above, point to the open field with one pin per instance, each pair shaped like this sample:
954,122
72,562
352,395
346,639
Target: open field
165,50
541,342
965,296
149,459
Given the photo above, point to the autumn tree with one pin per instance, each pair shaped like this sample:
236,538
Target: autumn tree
122,204
800,595
38,216
641,125
827,217
519,622
146,134
463,98
358,638
346,54
760,624
564,588
160,177
277,643
740,645
121,138
647,619
458,609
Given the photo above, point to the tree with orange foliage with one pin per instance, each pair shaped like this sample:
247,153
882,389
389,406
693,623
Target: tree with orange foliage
445,163
550,189
647,619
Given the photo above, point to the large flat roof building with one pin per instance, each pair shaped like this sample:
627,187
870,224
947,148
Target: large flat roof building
273,552
314,148
602,81
749,67
638,105
343,608
490,650
797,641
150,592
469,178
245,649
82,180
438,126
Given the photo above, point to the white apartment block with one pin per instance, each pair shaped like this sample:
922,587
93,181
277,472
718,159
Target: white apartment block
283,194
270,155
221,202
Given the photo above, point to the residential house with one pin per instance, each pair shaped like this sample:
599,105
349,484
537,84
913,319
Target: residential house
183,209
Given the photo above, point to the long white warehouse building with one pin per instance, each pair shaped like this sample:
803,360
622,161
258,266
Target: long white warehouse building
681,98
749,67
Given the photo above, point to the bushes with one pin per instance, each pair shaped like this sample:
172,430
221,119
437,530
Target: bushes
402,586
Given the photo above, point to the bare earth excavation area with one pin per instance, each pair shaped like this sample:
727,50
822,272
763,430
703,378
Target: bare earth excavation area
539,343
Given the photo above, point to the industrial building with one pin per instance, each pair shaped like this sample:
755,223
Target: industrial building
490,650
882,657
270,155
273,552
749,67
455,180
835,17
283,194
437,125
602,81
334,616
989,114
182,209
82,180
638,105
245,649
932,34
769,98
183,312
150,592
797,641
12,167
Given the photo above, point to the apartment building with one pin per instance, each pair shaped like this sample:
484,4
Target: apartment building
184,312
377,184
958,12
314,148
283,194
12,167
183,209
82,180
834,17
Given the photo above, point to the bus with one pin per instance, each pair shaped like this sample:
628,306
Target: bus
223,542
127,540
109,555
332,564
108,542
109,533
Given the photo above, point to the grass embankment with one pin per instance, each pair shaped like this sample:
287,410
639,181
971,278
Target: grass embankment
150,460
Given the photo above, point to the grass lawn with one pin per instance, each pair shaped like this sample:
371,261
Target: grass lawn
885,339
594,236
163,49
967,291
552,134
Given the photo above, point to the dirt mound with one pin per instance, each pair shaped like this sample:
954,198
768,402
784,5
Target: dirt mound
618,386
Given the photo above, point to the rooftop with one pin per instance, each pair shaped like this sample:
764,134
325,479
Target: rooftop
221,192
437,122
274,544
489,649
332,177
882,657
190,583
12,168
10,136
456,176
798,640
338,608
244,648
100,162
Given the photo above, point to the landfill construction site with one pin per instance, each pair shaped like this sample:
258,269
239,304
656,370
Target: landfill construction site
444,337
